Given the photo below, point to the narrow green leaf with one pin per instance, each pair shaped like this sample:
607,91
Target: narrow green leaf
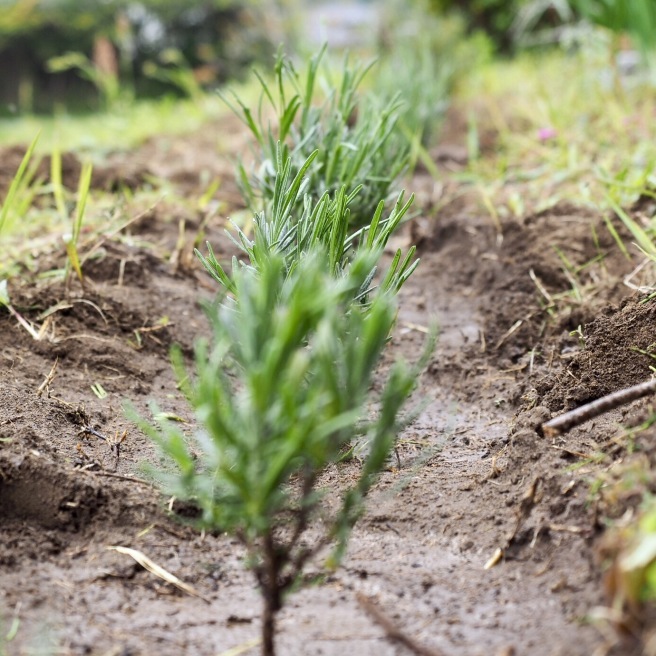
16,182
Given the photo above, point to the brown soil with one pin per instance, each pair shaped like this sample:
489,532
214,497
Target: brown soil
476,475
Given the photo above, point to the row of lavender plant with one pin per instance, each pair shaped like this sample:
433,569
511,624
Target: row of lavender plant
283,388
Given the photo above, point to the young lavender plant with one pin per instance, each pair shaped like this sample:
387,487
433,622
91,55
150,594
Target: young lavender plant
280,392
292,230
355,138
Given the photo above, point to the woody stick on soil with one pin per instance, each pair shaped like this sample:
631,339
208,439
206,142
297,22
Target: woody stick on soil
564,423
393,632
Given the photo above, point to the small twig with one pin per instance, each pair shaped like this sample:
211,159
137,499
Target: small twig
10,420
159,571
392,631
637,270
398,457
562,528
140,481
569,420
48,379
541,287
576,454
36,334
115,443
528,501
513,329
92,431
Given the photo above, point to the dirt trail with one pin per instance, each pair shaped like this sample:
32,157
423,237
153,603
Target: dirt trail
475,475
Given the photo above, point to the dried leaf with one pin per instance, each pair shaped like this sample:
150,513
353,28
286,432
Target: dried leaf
495,559
158,571
243,648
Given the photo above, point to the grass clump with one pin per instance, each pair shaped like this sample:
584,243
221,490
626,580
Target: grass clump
21,192
107,83
281,392
29,199
355,137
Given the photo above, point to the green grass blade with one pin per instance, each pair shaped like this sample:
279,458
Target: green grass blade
15,183
82,197
288,116
642,238
73,257
56,181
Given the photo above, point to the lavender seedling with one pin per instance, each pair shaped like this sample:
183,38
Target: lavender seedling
292,230
355,138
280,393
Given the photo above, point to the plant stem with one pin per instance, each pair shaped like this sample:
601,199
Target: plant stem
272,592
268,627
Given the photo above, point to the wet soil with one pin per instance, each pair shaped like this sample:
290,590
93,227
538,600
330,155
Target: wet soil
535,319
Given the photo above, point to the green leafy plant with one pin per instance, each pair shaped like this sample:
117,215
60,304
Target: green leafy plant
628,552
280,393
172,68
643,238
355,137
420,59
19,194
108,85
8,634
637,17
322,226
71,240
24,188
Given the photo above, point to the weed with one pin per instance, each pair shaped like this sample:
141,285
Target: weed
71,240
14,202
173,69
281,393
107,84
56,182
578,333
644,240
562,146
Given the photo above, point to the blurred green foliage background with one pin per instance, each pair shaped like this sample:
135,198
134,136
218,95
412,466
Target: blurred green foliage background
214,39
507,21
84,55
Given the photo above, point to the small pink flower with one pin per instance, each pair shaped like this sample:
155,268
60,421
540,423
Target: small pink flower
545,134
